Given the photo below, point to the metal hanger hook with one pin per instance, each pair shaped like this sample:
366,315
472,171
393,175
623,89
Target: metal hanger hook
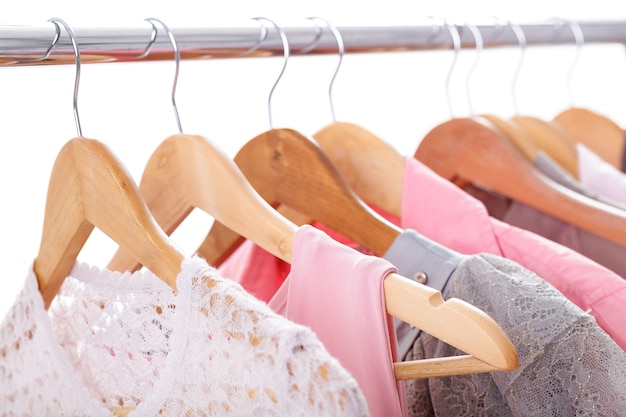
286,54
579,38
521,41
478,41
456,42
152,20
340,51
57,21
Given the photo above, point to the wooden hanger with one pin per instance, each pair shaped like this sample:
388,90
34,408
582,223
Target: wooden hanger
89,187
552,139
371,167
596,131
288,168
473,150
187,172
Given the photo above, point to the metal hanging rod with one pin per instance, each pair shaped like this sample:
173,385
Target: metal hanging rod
22,45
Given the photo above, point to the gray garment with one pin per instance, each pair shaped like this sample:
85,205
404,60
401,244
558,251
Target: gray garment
605,252
551,169
425,261
568,366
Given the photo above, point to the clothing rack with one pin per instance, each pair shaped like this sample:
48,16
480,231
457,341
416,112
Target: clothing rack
26,45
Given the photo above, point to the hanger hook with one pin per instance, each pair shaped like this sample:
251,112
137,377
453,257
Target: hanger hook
456,42
521,40
340,50
56,21
55,40
152,20
579,38
478,42
286,53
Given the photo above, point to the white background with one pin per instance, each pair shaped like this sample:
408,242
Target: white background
397,96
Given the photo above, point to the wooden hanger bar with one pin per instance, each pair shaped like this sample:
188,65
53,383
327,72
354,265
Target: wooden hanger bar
22,45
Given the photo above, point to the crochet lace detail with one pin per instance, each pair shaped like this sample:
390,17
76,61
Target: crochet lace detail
127,340
568,366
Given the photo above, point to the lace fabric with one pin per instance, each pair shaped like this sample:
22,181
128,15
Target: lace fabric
121,340
568,365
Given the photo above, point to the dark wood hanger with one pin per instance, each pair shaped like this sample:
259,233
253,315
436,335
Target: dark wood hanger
473,150
288,168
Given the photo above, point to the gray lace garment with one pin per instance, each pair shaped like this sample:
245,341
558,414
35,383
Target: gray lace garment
568,366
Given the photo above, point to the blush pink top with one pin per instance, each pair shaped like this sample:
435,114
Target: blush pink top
338,292
443,212
601,177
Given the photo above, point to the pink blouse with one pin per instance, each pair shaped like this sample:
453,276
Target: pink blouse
338,293
443,212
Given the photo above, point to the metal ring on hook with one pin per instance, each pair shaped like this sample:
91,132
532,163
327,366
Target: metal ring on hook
72,36
259,41
46,55
151,20
456,42
318,36
286,53
341,51
478,41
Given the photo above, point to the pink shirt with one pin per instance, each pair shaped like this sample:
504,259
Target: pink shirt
443,212
338,293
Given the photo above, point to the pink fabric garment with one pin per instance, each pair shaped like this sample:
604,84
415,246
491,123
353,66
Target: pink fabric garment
443,212
261,273
338,292
601,177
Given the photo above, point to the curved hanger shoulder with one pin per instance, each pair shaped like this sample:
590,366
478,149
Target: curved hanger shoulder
596,131
372,168
472,150
552,139
90,187
187,172
450,320
515,134
288,168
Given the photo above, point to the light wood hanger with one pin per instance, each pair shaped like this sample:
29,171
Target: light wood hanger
289,168
371,167
596,131
473,150
552,139
89,187
187,172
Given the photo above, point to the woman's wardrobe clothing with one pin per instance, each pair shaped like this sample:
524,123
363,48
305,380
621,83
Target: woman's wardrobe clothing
600,176
338,293
568,366
129,340
455,219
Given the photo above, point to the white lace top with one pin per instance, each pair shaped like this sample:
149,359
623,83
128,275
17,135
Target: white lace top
127,340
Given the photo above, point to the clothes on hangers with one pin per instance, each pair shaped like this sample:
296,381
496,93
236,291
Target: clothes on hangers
461,222
600,176
568,365
338,293
441,211
605,252
124,340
